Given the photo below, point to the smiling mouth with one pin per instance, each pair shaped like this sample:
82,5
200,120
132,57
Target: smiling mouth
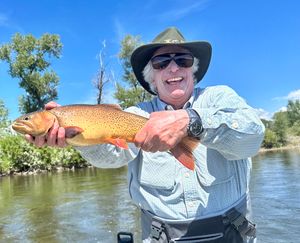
174,80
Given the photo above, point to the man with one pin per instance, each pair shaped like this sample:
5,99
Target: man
211,203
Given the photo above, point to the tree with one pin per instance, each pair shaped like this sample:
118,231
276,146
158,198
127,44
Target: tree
267,123
280,127
28,61
133,93
102,77
3,115
293,112
270,139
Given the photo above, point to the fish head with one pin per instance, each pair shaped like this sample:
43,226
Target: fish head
36,123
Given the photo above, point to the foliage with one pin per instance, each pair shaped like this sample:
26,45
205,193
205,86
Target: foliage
295,129
270,139
293,112
17,155
133,93
4,122
284,124
280,127
27,59
267,123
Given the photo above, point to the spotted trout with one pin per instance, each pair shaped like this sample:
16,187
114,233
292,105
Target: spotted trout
97,124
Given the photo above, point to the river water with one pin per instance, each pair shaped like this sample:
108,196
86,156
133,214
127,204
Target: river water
92,205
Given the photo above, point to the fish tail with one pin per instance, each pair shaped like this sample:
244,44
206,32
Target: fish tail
183,152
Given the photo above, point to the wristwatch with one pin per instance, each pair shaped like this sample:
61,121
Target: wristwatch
195,127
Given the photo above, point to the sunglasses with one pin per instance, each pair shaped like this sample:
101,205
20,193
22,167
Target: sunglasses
184,60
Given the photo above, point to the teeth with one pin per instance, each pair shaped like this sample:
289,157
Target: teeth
174,79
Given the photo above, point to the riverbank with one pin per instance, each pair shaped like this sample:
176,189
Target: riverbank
293,143
288,147
40,171
68,161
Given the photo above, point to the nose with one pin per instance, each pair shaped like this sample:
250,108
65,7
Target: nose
173,67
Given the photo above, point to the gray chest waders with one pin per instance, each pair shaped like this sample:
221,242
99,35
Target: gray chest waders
231,227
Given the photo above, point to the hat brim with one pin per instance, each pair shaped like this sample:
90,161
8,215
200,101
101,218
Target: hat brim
141,56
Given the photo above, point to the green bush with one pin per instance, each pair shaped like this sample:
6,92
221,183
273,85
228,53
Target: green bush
270,139
295,129
16,155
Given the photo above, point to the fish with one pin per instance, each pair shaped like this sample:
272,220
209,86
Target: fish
87,125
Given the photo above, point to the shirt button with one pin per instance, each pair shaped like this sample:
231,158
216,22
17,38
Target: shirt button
187,175
209,121
235,125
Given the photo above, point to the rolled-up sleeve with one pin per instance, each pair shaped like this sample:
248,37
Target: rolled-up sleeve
231,126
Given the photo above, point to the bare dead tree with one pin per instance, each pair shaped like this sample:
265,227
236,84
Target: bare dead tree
102,77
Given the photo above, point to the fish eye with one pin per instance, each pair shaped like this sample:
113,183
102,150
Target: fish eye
26,118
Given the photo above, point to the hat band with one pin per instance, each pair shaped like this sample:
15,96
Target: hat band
173,41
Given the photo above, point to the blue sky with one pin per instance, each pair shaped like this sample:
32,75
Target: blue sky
256,44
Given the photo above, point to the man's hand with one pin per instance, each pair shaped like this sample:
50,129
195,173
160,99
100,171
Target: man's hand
55,137
163,131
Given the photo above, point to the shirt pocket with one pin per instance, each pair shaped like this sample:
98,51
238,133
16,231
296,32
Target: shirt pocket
214,169
157,170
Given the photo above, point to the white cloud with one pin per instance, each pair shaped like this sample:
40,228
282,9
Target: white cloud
119,30
293,95
6,22
182,11
282,109
263,114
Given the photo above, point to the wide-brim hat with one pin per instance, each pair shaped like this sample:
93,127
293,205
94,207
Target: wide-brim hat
171,36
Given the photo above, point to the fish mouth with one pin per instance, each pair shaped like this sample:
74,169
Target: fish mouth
174,80
22,127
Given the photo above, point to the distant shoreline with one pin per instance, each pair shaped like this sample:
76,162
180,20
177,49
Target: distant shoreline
288,147
61,169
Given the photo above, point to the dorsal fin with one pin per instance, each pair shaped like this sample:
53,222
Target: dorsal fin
111,106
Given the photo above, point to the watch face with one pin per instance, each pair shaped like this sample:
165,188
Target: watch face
196,128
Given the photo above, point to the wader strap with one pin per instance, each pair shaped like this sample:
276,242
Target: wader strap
240,223
158,232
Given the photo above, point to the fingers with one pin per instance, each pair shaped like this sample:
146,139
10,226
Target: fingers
54,138
40,141
149,141
50,105
52,135
29,138
61,140
140,138
163,131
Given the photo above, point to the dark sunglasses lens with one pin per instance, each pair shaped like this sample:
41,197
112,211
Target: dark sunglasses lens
181,59
160,62
185,60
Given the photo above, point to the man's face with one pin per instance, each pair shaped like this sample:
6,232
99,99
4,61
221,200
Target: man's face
174,84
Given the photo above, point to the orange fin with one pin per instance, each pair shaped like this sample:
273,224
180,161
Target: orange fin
121,143
72,131
183,152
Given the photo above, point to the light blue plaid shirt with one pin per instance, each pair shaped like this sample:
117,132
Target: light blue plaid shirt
160,184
